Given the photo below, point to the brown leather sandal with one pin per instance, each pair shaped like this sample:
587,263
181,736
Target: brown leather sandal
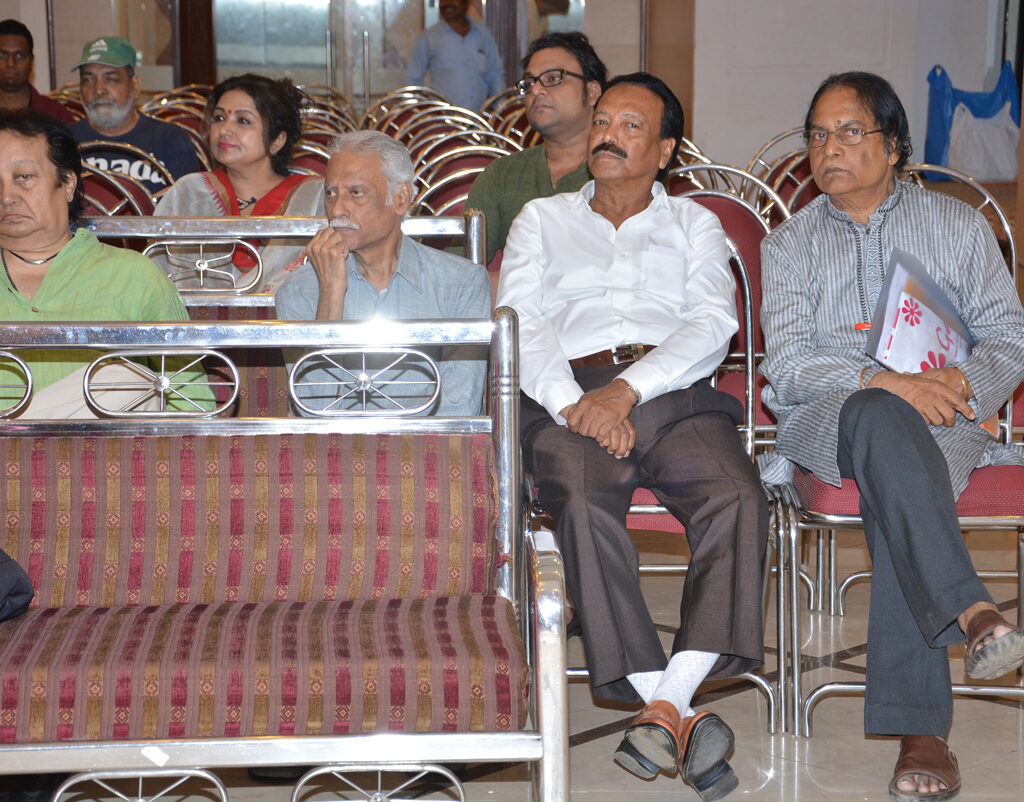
928,755
998,657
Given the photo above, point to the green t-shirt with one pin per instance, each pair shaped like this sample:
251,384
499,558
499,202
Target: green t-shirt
508,183
94,282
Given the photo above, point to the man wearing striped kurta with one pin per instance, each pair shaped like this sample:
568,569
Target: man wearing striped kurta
909,440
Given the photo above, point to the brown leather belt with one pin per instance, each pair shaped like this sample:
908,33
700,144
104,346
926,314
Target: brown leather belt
619,355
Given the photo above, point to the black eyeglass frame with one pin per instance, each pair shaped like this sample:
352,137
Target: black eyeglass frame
525,84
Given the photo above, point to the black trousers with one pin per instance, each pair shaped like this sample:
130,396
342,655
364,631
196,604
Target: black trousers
922,577
689,454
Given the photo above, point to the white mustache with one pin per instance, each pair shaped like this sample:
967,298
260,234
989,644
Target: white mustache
338,222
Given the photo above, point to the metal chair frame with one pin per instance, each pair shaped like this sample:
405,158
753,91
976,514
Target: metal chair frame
158,166
112,181
736,182
761,163
426,170
471,227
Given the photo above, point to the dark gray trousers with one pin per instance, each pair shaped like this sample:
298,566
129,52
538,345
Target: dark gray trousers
688,453
922,577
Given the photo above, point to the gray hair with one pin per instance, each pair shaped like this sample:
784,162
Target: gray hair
395,161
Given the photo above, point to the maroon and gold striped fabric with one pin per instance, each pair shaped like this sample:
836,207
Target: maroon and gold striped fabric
270,668
251,518
255,584
263,379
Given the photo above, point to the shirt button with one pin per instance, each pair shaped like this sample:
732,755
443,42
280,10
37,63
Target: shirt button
35,308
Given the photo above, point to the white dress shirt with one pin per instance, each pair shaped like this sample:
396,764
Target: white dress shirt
579,285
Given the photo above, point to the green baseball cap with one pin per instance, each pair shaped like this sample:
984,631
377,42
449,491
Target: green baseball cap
111,51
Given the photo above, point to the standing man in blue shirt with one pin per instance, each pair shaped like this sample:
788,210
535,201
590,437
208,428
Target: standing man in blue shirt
461,56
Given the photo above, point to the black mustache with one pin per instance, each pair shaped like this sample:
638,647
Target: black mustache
610,147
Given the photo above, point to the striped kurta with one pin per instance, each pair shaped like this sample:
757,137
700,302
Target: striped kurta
822,275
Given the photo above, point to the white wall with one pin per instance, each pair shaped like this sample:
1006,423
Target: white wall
757,63
614,29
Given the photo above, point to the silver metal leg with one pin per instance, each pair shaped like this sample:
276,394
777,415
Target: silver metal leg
796,701
832,590
172,777
353,775
819,572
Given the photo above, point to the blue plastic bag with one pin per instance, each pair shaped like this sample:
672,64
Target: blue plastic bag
942,102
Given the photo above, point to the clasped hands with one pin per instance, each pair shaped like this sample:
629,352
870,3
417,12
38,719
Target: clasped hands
603,415
937,393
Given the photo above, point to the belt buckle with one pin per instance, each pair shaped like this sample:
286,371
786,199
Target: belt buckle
626,353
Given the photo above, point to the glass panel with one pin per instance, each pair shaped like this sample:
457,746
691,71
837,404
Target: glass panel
272,38
570,21
277,38
392,27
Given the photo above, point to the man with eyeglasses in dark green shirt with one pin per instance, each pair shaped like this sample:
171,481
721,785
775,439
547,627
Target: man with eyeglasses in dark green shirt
562,80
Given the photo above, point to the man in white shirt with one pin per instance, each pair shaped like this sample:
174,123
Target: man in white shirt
626,306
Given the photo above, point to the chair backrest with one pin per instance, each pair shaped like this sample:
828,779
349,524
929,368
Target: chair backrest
731,180
129,152
443,119
447,196
110,193
455,458
516,126
389,120
1017,429
451,161
310,156
770,152
429,144
746,228
806,191
977,196
788,174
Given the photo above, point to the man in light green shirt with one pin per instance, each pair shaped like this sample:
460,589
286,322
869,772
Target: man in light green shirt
50,274
562,80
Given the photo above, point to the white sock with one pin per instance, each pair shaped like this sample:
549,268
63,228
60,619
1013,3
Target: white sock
644,683
680,680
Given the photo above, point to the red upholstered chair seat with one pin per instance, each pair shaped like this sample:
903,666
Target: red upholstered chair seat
320,668
651,521
992,490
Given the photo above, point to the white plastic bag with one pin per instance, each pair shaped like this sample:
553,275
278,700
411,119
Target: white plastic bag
984,148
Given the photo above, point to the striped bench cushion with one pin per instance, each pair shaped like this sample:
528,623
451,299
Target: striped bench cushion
270,668
263,380
112,521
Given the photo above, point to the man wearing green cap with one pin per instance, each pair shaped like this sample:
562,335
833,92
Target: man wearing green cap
110,87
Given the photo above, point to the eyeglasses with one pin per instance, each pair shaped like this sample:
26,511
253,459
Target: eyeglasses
547,79
847,135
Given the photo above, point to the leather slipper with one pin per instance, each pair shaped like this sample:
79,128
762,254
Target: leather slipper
998,657
929,755
705,743
651,744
